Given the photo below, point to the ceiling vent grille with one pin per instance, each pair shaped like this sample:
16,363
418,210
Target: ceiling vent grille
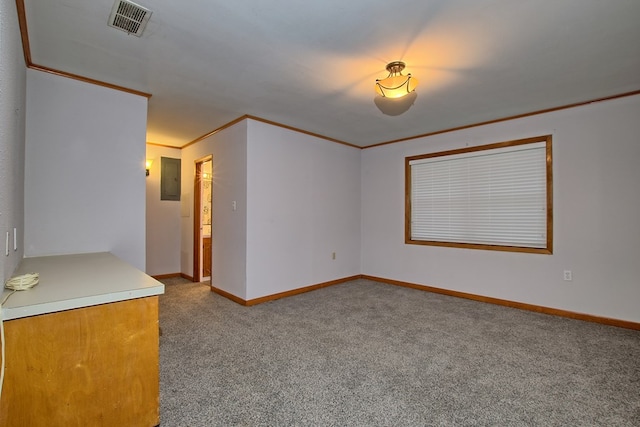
129,17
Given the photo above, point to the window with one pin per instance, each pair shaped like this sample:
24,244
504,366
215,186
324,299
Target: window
496,197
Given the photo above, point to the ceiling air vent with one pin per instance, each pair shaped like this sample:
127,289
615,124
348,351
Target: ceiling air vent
129,17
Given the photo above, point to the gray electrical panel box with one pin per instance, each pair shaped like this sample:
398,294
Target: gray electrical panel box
170,179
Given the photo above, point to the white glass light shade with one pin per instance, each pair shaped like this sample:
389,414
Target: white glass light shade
396,86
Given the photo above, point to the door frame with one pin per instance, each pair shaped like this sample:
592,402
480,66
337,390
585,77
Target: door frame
197,218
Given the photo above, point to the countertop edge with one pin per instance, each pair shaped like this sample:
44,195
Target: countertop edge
71,304
75,281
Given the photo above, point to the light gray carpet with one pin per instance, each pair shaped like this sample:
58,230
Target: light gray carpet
371,354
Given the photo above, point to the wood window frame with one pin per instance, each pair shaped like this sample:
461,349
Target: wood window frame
549,197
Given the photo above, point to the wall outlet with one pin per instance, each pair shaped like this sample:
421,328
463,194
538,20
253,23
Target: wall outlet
568,275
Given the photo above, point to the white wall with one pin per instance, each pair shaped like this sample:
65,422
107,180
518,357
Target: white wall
12,124
596,216
84,172
302,205
162,219
297,202
229,229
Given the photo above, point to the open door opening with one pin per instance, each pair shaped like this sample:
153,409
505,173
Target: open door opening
203,192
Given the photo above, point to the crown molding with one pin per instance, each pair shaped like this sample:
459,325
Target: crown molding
87,80
155,144
504,119
26,48
269,122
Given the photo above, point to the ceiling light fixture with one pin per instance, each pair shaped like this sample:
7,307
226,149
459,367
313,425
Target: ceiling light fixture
396,85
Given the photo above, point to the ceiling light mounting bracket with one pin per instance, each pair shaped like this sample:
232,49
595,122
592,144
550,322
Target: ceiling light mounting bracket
395,67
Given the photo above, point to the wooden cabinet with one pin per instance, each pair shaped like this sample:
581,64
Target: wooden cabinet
206,257
82,347
92,366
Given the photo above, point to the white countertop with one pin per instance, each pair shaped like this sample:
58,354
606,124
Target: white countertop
75,281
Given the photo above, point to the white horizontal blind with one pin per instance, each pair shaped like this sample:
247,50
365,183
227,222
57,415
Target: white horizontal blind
489,197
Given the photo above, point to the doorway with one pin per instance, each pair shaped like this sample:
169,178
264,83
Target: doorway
202,226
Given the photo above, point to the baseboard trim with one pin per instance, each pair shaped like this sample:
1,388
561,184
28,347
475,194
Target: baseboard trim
185,276
166,276
522,306
300,290
285,294
227,295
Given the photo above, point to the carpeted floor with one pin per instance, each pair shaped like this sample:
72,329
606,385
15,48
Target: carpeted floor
371,354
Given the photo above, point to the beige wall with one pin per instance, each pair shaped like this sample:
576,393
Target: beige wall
228,149
162,219
596,211
12,135
84,175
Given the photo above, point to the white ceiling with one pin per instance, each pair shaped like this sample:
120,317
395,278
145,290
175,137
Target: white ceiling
312,64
